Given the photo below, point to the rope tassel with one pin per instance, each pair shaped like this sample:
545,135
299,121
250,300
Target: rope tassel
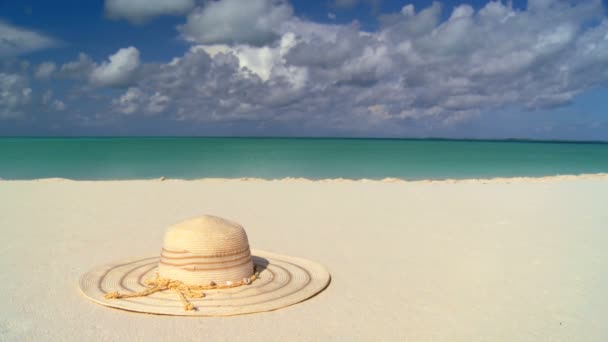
183,291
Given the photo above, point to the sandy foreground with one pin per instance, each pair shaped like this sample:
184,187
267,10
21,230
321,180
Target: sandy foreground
497,260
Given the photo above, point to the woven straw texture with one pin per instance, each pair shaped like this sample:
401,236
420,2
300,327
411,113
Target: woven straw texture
206,249
283,281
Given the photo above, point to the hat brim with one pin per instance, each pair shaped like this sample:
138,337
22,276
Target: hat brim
283,281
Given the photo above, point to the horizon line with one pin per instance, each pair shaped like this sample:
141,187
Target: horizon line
530,140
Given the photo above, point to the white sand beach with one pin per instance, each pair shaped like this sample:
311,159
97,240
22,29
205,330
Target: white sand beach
479,260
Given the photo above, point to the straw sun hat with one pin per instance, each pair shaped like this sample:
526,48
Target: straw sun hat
205,268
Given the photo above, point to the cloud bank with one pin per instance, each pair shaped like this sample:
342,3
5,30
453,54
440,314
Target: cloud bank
257,64
415,68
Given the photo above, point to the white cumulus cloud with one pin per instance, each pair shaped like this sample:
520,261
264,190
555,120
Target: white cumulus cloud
139,11
78,69
119,71
45,70
49,102
135,100
59,105
15,94
267,62
253,22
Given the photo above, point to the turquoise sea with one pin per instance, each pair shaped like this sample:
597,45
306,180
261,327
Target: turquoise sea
272,158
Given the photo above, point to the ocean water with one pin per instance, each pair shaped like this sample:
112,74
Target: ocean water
272,158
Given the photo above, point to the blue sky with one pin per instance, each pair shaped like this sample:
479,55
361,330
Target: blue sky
477,69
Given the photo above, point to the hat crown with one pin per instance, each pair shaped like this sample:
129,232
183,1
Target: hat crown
206,235
204,250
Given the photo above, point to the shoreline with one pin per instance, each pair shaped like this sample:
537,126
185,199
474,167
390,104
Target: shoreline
514,179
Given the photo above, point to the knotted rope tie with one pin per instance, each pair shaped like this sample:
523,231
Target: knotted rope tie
183,291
